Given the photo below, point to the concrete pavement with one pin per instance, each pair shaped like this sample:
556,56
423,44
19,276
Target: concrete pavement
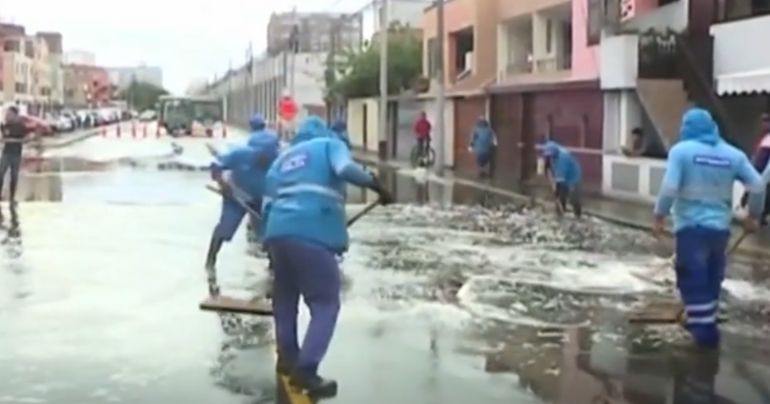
445,301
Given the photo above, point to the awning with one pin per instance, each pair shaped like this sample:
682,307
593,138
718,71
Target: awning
751,82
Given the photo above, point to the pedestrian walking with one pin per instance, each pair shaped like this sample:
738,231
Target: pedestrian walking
15,133
305,230
698,184
482,145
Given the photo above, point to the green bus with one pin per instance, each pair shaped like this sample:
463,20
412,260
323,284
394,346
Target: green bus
182,115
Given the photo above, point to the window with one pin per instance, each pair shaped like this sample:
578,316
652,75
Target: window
594,26
432,57
548,36
20,88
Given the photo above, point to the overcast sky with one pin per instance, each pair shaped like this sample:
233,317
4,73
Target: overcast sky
189,39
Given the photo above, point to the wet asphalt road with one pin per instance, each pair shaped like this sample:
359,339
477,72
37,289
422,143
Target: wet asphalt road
444,303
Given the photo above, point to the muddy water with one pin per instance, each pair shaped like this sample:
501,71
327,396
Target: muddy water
445,302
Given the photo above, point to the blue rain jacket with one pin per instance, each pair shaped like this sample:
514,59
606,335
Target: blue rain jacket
564,166
340,130
248,167
306,187
699,177
483,139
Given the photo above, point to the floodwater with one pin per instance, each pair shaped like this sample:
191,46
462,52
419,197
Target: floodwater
451,296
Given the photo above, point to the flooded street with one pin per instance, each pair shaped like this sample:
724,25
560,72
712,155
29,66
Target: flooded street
446,301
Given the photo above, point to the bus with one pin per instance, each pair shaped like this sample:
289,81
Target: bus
186,115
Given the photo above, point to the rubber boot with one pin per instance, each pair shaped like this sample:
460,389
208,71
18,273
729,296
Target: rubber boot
314,386
211,262
283,366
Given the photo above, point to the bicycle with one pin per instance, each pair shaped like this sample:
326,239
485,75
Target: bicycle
419,158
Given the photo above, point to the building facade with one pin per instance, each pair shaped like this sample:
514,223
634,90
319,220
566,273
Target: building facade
314,31
531,69
55,44
79,57
258,87
86,86
122,77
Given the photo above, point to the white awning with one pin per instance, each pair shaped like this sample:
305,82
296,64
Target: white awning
751,82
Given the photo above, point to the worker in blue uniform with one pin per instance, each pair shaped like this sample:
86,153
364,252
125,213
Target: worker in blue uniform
247,165
698,184
340,130
482,145
259,131
565,172
304,209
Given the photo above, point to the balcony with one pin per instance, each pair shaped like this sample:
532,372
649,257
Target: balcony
536,46
741,67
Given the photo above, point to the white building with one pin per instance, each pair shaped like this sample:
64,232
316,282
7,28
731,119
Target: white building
79,57
123,76
406,12
261,90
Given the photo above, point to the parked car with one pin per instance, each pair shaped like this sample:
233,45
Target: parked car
37,125
148,115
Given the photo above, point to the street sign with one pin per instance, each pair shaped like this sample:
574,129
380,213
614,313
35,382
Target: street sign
287,109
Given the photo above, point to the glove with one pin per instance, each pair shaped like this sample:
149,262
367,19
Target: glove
385,197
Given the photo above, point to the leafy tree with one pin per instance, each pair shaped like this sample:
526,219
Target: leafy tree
358,73
141,95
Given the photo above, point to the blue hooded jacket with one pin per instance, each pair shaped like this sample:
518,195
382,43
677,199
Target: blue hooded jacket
483,138
340,130
699,177
564,166
247,166
305,195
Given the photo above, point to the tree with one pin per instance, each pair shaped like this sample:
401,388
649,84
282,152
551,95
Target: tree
357,75
141,95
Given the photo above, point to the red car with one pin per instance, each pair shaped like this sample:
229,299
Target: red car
37,125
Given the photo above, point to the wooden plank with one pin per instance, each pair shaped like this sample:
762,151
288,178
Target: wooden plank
663,312
657,313
227,304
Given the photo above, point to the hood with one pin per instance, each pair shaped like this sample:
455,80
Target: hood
312,128
257,122
339,126
550,149
482,123
697,124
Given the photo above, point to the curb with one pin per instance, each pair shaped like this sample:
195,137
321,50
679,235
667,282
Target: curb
75,139
751,251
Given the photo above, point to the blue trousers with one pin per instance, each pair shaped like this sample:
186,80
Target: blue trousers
311,271
230,219
700,269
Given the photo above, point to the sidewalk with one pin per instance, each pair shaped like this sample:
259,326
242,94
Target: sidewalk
632,214
67,139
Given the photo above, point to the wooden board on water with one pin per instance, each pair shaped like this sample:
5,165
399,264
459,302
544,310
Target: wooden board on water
667,312
662,312
227,304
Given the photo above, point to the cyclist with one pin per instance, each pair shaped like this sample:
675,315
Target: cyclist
422,129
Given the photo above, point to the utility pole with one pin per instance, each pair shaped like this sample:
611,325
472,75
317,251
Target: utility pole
294,50
383,37
440,129
331,67
250,79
